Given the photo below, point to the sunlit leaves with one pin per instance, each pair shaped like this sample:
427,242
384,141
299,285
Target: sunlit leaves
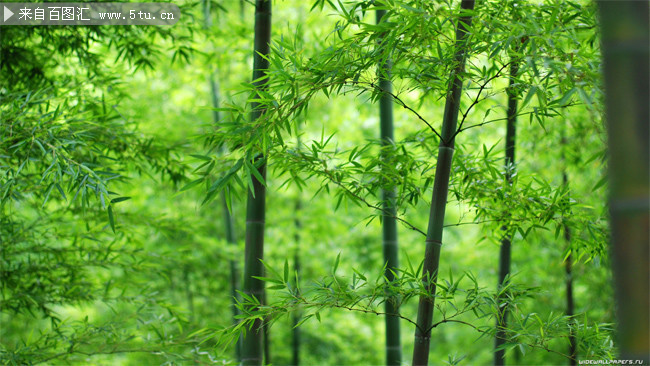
553,42
461,300
67,146
74,156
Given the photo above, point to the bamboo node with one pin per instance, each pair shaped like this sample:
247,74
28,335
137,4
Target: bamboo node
437,242
390,242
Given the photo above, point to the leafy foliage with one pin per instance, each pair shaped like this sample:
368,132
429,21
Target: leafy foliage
462,301
105,261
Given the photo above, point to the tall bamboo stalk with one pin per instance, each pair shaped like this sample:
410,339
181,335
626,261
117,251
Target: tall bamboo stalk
568,272
234,269
228,221
296,260
506,241
266,336
389,224
440,190
252,344
626,49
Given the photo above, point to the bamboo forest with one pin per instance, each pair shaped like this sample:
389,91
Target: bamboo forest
326,182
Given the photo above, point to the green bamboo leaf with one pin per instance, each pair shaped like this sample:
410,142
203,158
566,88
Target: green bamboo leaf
286,271
600,183
268,279
361,276
336,263
111,219
253,170
47,194
532,91
522,349
201,157
58,187
566,98
197,332
303,320
192,184
338,201
120,199
273,271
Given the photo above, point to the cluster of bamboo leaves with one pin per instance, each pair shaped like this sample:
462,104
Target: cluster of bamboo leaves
553,42
345,63
461,301
67,148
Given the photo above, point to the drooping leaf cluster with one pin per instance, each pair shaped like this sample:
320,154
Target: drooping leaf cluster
67,149
548,40
460,301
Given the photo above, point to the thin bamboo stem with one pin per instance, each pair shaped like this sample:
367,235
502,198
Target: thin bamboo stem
505,252
568,272
227,216
389,223
440,190
297,267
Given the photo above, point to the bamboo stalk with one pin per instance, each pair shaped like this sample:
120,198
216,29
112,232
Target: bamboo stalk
506,243
389,224
252,344
568,272
268,360
626,49
234,270
440,190
227,217
297,267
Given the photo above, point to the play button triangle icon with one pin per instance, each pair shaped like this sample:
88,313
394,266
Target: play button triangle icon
8,13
